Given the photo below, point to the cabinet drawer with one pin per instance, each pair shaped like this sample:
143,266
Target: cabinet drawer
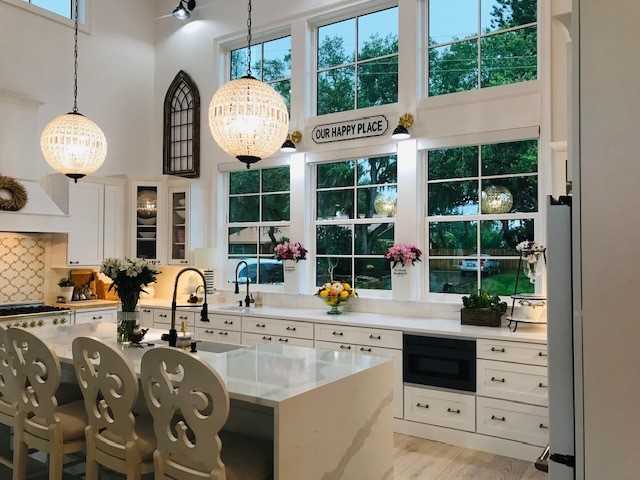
163,316
343,347
217,335
529,353
257,338
271,326
435,407
512,381
374,337
515,421
96,316
146,317
225,322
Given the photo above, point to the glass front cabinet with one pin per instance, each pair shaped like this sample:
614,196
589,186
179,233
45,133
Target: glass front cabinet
187,220
148,224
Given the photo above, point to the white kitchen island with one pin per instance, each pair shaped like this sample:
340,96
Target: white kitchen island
329,413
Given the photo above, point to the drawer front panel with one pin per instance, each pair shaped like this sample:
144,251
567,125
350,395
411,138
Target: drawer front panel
96,316
163,316
372,337
515,421
529,353
343,347
146,317
285,328
257,338
217,335
512,381
452,410
225,322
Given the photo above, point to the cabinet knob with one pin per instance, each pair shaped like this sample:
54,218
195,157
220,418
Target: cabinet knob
542,385
40,323
500,419
33,324
543,426
542,354
63,320
55,321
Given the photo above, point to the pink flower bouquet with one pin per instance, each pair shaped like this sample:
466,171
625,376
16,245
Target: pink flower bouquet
404,253
290,251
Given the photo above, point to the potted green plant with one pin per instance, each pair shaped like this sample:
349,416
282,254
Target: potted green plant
482,309
66,288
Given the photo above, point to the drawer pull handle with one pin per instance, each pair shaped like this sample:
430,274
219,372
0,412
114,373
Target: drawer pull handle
362,349
338,333
292,329
162,316
223,333
453,411
494,349
99,317
266,338
542,354
543,426
542,385
345,347
283,340
375,337
260,325
183,317
208,331
227,322
146,311
494,379
500,419
422,406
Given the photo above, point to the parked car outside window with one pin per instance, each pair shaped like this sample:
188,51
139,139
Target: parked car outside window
488,265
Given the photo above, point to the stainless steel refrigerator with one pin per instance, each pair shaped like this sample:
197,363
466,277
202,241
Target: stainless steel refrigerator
564,348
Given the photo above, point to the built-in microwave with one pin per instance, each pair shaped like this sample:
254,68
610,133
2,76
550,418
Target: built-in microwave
440,362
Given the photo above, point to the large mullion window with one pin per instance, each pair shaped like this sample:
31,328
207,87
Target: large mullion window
355,221
482,200
270,62
257,219
480,43
357,62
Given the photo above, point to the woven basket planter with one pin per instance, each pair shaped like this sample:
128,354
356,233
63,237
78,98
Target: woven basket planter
480,317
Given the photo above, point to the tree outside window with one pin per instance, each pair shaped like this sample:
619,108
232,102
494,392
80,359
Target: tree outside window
357,62
258,219
481,43
472,241
353,227
270,62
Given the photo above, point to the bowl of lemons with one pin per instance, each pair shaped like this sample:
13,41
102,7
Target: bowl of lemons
336,294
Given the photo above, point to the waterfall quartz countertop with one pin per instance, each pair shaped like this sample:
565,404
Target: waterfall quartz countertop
424,326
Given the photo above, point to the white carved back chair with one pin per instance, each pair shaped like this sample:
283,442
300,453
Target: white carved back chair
189,403
40,423
115,438
8,393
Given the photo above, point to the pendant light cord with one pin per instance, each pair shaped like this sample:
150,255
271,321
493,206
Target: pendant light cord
75,61
248,39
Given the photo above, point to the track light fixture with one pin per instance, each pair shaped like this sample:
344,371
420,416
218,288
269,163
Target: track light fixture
289,145
402,130
183,13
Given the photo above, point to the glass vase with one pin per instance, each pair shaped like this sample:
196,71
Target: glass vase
127,322
531,266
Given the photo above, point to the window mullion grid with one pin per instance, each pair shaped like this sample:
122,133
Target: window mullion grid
479,48
355,70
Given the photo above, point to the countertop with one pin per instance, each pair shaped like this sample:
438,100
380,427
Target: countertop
87,304
264,374
430,326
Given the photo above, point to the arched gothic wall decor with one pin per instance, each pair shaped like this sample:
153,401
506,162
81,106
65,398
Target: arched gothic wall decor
182,128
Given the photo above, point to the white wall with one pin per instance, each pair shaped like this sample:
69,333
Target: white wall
116,82
609,196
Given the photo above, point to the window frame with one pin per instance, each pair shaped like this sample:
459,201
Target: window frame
226,187
84,24
522,134
424,39
335,17
337,157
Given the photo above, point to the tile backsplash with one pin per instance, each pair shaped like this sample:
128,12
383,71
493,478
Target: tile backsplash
22,267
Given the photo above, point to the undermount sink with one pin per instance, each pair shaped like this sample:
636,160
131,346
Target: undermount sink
216,347
236,308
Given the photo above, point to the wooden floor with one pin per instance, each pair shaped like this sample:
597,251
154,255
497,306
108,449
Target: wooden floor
420,459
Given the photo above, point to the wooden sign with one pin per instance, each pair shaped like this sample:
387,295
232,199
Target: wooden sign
351,129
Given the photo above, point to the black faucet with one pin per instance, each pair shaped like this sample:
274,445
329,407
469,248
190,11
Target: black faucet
248,300
204,313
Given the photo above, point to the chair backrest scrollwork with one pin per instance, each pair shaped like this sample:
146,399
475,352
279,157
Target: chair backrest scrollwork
189,403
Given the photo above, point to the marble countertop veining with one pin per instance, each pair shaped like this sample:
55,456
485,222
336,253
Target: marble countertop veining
419,326
264,374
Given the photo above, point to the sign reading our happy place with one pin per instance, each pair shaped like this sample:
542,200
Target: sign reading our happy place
351,129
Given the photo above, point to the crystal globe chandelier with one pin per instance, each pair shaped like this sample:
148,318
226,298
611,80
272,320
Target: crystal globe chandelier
496,199
71,143
248,118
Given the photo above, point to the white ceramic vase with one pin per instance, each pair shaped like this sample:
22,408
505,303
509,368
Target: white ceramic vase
403,282
293,276
67,293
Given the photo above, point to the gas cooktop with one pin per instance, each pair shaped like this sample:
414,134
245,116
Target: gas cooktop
28,309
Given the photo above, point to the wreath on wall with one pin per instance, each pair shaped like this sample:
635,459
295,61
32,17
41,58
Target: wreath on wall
17,192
